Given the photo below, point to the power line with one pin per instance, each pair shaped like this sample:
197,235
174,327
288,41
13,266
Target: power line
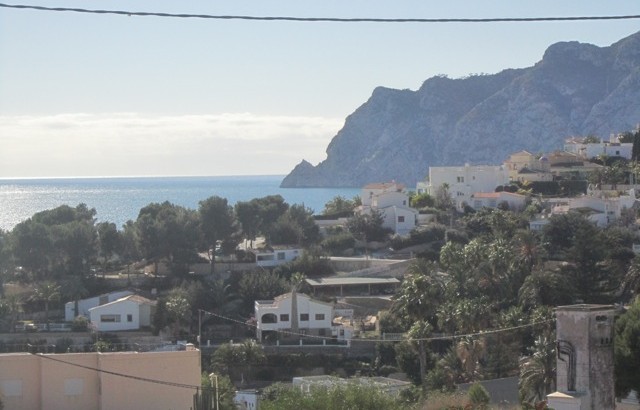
128,376
324,19
426,339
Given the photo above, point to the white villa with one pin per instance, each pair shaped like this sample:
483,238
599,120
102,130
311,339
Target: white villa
128,313
314,317
85,304
600,209
392,201
467,180
611,148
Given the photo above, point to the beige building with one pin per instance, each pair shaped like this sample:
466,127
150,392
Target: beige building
100,381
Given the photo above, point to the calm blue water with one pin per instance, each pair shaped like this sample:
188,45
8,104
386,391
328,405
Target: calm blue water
120,199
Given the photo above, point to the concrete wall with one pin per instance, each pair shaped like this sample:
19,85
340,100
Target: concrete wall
79,381
585,358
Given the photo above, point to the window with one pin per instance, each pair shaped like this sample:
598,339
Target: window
460,179
280,256
109,318
269,318
11,388
129,318
284,317
319,316
304,317
401,219
73,387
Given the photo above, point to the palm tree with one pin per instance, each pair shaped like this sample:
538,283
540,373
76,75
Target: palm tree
11,306
538,371
418,334
469,352
47,292
73,288
422,291
297,279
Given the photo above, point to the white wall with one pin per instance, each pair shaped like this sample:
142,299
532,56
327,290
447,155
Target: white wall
85,304
466,180
121,309
305,306
277,257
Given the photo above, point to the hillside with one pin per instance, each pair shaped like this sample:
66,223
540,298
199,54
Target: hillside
576,89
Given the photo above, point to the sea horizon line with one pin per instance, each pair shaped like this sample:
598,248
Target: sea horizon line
140,177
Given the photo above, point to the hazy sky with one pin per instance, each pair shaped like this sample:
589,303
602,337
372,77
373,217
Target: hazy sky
109,95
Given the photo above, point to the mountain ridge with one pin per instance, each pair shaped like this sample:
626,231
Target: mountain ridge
575,89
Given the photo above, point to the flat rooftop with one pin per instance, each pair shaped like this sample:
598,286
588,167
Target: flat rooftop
335,281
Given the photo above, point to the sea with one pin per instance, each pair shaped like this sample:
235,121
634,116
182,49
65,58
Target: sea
120,199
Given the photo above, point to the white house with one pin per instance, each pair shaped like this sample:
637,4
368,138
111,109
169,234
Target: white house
372,192
466,180
601,209
314,317
128,313
85,304
268,259
516,202
391,200
611,148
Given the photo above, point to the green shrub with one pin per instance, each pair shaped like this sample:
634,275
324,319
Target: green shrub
479,396
80,324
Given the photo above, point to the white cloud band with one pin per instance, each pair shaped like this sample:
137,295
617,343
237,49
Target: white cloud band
122,144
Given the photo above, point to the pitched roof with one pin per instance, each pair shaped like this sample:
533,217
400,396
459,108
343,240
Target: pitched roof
140,300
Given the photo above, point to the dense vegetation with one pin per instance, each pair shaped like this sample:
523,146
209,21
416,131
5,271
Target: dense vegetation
475,271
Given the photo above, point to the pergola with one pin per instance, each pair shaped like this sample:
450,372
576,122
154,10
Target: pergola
353,283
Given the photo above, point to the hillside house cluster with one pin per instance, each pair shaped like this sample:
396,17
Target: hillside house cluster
612,148
475,186
524,166
601,208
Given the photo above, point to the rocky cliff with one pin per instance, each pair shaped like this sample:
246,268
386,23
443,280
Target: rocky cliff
576,89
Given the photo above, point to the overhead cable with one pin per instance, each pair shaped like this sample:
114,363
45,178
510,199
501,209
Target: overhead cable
324,19
128,376
426,339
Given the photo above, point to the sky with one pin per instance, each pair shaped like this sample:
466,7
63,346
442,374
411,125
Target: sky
111,95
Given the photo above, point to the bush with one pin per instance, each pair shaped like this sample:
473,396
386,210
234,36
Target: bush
337,244
418,236
80,324
479,396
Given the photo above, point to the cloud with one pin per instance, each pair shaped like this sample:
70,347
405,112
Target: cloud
118,144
